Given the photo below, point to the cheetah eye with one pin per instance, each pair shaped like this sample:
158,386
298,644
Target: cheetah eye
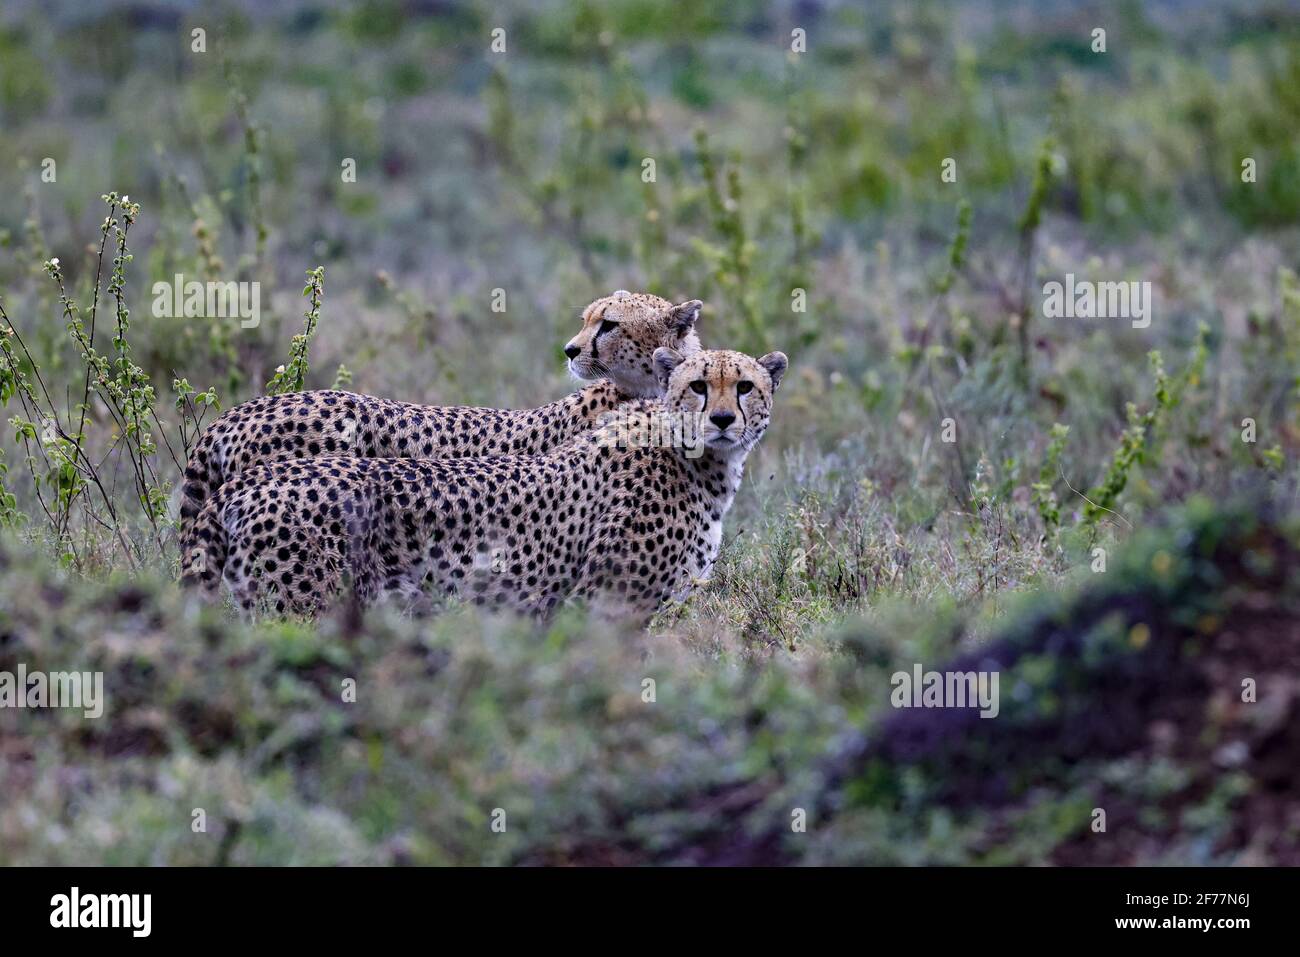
743,387
699,387
606,325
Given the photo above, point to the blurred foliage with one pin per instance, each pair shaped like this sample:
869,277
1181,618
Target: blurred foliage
1121,692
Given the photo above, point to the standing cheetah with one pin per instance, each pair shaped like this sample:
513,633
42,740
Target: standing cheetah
616,344
611,516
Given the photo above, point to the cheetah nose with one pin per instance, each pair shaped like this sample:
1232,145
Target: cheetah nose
722,419
572,351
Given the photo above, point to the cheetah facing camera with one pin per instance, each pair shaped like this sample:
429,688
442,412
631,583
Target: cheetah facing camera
616,345
609,517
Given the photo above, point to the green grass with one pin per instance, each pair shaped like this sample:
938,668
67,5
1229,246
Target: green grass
860,539
1115,695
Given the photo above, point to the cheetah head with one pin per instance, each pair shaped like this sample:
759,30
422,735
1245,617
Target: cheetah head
620,334
725,396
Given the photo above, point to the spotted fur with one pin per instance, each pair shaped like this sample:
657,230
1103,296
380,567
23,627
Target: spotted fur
612,516
615,346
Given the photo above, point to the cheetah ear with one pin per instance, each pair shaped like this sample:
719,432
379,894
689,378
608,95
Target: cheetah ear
665,361
683,316
775,364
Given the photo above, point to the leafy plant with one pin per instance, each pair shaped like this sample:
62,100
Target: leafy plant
292,376
1133,446
1049,509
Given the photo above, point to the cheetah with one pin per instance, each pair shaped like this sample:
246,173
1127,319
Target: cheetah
624,516
615,347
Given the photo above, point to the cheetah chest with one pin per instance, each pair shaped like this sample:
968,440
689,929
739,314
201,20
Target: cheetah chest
701,559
